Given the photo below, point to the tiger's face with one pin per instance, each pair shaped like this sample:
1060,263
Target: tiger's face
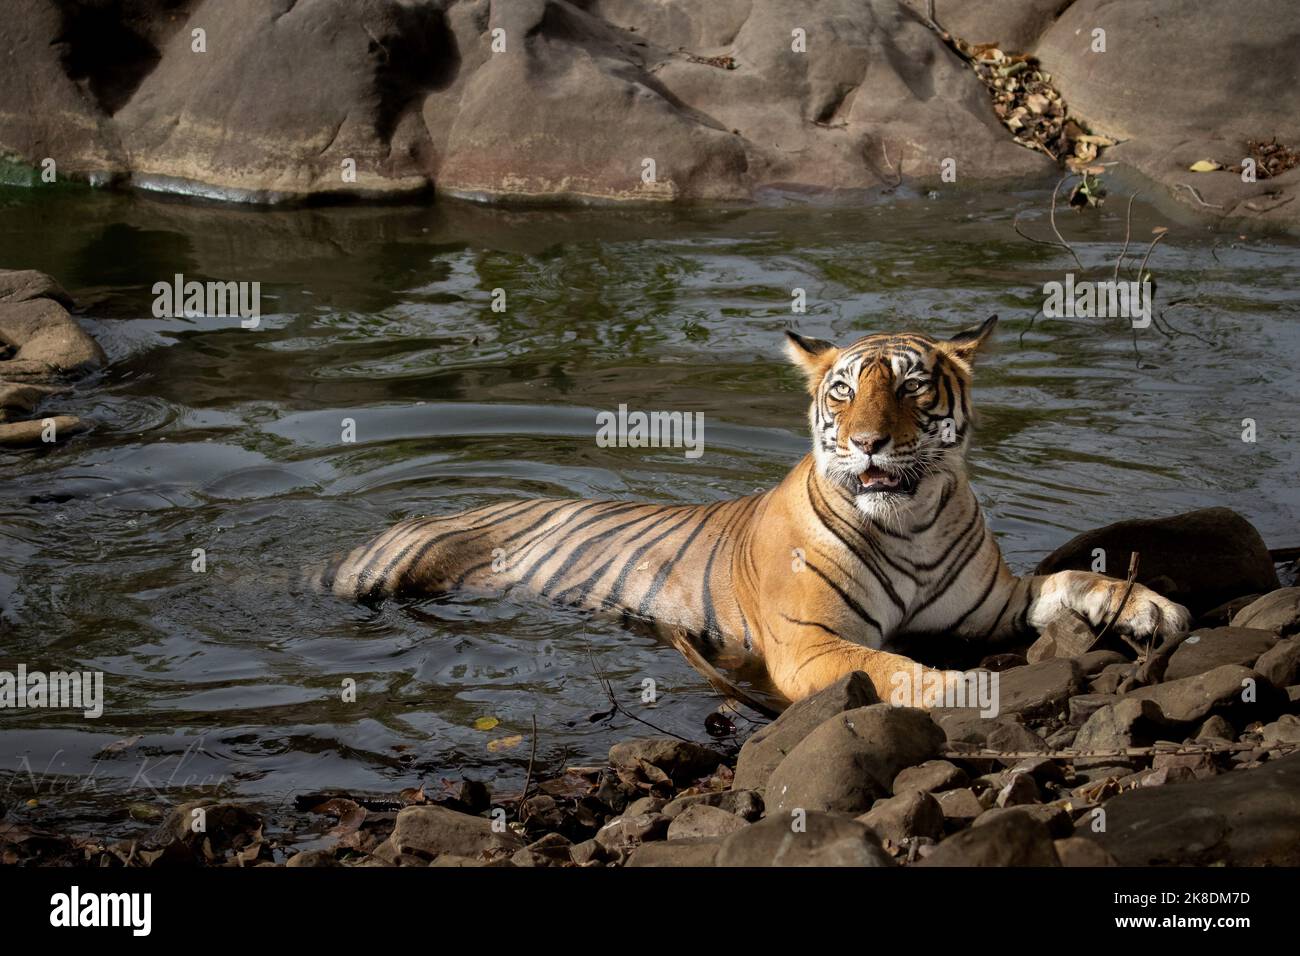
889,412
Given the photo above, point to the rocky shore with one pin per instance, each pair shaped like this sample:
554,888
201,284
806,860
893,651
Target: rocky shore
42,348
643,100
1099,754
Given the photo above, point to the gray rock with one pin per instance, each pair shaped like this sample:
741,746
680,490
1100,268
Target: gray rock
1111,677
431,830
959,807
1277,611
588,853
1019,789
1076,851
1280,665
1129,722
1094,662
623,833
1012,839
1084,706
850,761
929,777
682,760
1039,689
1215,728
747,804
645,805
1284,730
1066,635
1192,699
1012,24
962,726
1208,109
823,840
1222,615
904,817
702,820
1210,555
1204,650
769,745
685,852
1051,815
1244,818
49,341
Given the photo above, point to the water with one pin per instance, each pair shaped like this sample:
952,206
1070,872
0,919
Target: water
211,436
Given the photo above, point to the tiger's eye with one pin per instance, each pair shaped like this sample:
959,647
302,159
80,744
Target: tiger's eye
840,391
913,385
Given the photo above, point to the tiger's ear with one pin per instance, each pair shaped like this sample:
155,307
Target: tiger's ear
814,356
967,342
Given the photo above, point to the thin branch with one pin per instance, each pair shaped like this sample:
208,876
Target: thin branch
1143,267
1128,589
613,701
1128,229
1061,238
528,777
1197,196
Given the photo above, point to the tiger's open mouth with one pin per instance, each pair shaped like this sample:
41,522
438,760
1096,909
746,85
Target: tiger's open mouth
876,481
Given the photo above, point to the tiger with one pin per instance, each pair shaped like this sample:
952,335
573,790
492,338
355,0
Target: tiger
874,535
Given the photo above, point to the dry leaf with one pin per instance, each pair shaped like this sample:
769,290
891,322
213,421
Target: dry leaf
485,723
505,743
1204,166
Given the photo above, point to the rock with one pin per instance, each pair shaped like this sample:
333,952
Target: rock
904,817
930,776
417,95
1222,615
588,853
551,850
34,432
686,852
1204,650
1207,108
645,805
1014,25
17,400
1210,556
1094,662
28,285
702,820
1012,839
541,812
1244,818
1157,778
1129,722
1278,611
1020,789
1044,770
1111,677
1280,664
746,804
1051,815
475,795
1076,851
682,760
623,833
49,342
1192,699
429,830
1001,662
1284,730
1215,728
850,760
1066,635
312,858
959,807
769,745
1039,689
823,840
1084,706
965,726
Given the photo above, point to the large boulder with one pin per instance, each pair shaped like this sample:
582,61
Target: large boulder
429,831
768,746
531,99
1244,818
849,762
1015,839
1213,90
1278,611
1213,647
1199,559
811,839
1235,692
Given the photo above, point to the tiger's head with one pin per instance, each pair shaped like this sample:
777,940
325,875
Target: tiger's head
889,412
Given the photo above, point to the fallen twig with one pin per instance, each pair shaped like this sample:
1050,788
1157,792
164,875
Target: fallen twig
1069,248
1128,229
528,777
1128,589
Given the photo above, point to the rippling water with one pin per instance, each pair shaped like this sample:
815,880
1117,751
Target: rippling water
211,436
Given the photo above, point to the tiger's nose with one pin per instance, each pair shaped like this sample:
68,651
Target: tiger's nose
871,443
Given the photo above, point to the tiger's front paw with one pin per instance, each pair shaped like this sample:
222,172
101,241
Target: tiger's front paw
1146,615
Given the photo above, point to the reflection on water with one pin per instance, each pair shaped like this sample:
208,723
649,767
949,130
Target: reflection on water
214,437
